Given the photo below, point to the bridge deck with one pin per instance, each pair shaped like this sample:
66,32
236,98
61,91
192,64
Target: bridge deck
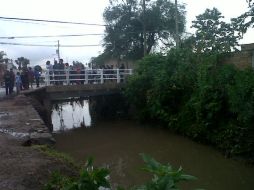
84,90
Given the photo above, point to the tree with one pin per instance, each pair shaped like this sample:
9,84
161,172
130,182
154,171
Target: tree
2,57
125,23
246,20
22,62
2,54
251,2
213,34
100,59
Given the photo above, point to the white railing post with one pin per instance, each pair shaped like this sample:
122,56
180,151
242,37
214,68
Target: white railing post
67,76
118,76
102,79
86,76
47,78
89,74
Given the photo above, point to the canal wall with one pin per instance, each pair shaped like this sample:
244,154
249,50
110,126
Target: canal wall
19,119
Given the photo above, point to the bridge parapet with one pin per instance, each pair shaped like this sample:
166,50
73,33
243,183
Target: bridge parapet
85,76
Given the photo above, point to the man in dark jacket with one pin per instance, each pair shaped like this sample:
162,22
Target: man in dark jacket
12,81
7,81
37,75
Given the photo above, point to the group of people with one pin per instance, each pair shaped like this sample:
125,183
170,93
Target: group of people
23,79
57,72
77,72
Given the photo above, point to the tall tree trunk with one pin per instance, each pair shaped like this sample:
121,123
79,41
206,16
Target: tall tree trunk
176,23
144,27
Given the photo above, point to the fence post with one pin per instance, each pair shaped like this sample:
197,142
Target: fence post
86,76
102,79
118,76
67,76
47,78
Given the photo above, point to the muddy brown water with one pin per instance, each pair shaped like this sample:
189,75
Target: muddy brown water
117,144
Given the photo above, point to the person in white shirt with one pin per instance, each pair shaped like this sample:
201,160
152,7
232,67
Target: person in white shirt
18,82
49,67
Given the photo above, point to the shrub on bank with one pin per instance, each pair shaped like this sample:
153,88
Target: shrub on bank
198,97
93,178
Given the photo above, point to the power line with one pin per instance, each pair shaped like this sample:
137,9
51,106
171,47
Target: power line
69,35
20,44
25,22
50,36
87,45
51,21
49,45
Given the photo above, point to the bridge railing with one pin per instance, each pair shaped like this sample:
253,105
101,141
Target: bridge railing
86,76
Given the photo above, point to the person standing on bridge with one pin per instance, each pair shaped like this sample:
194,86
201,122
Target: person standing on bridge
37,77
62,73
30,77
56,72
49,68
12,81
25,79
18,82
7,81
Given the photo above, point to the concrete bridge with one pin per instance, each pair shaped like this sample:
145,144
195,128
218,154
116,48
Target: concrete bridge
61,84
65,91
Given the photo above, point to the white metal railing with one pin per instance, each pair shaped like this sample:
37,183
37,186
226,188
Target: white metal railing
86,76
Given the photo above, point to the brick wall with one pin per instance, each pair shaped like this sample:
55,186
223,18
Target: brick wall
243,59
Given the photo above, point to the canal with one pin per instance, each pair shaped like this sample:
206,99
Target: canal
116,144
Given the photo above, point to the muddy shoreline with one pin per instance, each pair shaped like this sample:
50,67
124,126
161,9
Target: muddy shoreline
23,167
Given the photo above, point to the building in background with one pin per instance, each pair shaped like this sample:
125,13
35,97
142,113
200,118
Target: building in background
241,59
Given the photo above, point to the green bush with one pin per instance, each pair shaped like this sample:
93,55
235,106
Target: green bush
164,176
198,97
159,85
139,84
209,101
241,97
241,105
91,178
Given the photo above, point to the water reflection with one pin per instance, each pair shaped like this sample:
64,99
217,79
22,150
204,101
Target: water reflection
72,114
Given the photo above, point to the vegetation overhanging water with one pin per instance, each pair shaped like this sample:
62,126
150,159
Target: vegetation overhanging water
117,144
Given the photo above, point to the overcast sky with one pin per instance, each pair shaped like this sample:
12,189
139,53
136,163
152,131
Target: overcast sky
87,11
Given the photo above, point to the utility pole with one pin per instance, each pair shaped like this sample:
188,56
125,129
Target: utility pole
144,26
58,50
176,23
